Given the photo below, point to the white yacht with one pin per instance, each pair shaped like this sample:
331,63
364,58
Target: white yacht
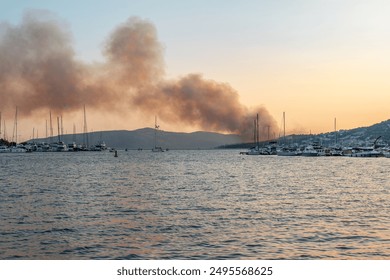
309,151
4,149
18,149
366,152
58,147
101,146
254,151
286,151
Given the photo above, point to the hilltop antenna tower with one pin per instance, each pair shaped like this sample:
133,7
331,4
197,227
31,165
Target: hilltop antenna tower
156,127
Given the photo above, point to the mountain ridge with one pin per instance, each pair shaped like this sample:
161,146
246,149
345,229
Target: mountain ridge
359,136
143,138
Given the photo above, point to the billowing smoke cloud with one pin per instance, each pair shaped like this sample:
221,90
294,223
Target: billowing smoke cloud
39,70
134,54
203,103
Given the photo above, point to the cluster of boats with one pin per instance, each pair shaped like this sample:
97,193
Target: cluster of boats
52,147
315,150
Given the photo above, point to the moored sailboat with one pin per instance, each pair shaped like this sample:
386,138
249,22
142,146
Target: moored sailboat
288,150
255,151
156,127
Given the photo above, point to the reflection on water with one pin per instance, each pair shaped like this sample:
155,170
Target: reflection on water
192,205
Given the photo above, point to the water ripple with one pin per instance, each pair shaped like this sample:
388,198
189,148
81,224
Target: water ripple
193,205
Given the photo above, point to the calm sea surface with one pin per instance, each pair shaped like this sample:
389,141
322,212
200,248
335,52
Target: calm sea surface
193,205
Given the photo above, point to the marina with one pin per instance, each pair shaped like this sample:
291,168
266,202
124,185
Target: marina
284,145
307,148
315,150
311,150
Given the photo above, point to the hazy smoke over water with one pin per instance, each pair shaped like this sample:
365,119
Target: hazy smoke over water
39,71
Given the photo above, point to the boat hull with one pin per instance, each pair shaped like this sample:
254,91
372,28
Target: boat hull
367,154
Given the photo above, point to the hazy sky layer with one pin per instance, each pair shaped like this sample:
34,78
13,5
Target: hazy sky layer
315,60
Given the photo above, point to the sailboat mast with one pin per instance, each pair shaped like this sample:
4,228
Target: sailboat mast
16,126
74,132
0,125
268,128
335,130
58,127
51,129
85,129
62,127
254,132
257,130
284,124
5,131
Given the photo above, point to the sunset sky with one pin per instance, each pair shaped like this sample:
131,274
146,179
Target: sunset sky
315,60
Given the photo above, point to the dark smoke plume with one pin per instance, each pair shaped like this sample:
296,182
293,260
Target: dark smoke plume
39,71
203,103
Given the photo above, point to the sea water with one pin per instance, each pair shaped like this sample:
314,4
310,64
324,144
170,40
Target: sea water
214,204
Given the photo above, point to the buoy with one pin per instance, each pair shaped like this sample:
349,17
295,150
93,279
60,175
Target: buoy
116,153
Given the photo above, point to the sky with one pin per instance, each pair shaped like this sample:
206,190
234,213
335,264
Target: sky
314,60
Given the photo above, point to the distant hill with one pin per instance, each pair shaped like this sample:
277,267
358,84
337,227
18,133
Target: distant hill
356,136
144,139
362,133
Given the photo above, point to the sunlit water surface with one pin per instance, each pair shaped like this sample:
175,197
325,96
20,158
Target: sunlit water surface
193,205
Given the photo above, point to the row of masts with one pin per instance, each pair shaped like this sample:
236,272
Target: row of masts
3,129
256,133
60,127
284,127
